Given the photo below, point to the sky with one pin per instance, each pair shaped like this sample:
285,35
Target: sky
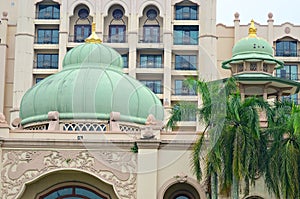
283,11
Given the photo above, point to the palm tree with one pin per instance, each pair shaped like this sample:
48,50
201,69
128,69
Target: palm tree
235,146
283,162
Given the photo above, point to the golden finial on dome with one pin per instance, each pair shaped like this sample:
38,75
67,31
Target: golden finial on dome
93,38
252,29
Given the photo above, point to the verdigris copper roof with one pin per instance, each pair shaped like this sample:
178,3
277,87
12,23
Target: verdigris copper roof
252,48
90,86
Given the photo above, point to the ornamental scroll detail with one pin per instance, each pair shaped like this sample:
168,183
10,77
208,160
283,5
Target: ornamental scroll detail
20,167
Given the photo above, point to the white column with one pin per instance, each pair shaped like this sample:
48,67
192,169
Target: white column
3,49
63,33
168,43
132,32
147,169
270,29
24,54
208,69
236,27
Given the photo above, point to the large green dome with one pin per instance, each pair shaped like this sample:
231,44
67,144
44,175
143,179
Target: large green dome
90,86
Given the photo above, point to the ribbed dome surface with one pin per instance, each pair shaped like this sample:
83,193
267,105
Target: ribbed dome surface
252,45
86,54
90,86
252,49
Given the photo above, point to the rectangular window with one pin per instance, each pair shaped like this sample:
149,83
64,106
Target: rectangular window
153,85
186,12
47,36
185,62
47,61
82,32
286,48
125,60
288,72
181,88
150,61
186,35
151,34
48,12
117,34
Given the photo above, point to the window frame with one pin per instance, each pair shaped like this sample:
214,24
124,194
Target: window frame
155,57
54,14
181,60
73,192
287,72
53,63
125,62
179,12
43,38
117,37
154,36
79,38
286,48
184,35
182,89
154,85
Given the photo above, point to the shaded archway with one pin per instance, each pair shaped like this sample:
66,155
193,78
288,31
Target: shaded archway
65,183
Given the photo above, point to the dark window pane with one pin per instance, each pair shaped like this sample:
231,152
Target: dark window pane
186,12
47,61
150,61
48,12
181,88
47,36
117,34
186,35
153,85
288,72
82,32
286,48
125,61
151,34
185,62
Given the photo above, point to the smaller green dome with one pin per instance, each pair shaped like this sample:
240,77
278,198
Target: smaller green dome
252,48
252,45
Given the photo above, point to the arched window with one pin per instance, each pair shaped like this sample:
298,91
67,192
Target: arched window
254,197
186,11
82,30
151,28
72,192
80,24
181,191
117,27
286,47
47,10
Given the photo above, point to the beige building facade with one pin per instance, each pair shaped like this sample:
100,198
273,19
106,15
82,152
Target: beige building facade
160,43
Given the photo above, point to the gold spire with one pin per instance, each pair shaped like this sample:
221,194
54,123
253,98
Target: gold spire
93,38
252,29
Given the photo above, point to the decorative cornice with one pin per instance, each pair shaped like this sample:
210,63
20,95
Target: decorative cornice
208,35
24,34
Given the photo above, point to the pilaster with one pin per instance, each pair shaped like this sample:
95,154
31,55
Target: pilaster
3,50
24,56
270,29
147,168
236,27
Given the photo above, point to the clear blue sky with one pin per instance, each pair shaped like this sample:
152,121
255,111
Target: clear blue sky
283,11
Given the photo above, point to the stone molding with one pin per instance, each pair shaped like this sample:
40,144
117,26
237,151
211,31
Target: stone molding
22,166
